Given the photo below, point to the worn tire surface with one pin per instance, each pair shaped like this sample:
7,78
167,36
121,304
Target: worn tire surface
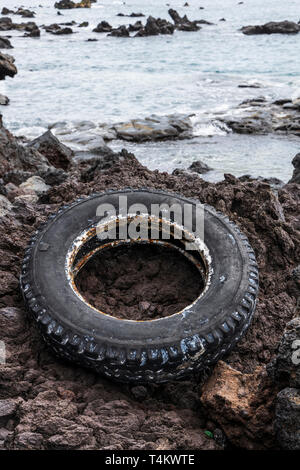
128,351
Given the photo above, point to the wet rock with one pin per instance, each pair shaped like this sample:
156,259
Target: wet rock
155,26
32,31
296,174
285,369
20,11
6,11
5,43
6,24
36,184
5,436
288,419
183,23
136,26
155,128
199,167
121,32
132,15
5,206
58,154
58,31
103,27
242,405
28,441
84,24
4,100
7,67
60,397
273,27
87,144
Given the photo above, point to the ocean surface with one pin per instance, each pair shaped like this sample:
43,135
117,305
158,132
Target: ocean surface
66,78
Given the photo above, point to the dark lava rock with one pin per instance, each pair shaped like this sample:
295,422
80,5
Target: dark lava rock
7,67
135,27
14,156
183,23
122,31
5,43
20,11
273,27
61,405
68,4
58,154
139,392
199,167
132,15
155,26
61,31
4,100
296,174
174,126
103,27
288,418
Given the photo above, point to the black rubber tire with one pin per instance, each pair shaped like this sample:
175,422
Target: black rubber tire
138,352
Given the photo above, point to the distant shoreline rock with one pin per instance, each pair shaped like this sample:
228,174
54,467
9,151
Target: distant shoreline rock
273,27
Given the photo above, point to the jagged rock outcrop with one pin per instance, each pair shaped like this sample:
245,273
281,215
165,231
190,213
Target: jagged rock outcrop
273,27
296,174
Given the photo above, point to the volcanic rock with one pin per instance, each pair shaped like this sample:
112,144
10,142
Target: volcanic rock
120,32
103,27
273,27
68,4
58,154
4,100
296,174
199,167
288,418
5,43
242,404
183,23
155,127
7,67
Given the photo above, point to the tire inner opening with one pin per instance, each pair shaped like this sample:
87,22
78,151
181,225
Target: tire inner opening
140,281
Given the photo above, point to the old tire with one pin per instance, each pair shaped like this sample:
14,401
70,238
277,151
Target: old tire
138,352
